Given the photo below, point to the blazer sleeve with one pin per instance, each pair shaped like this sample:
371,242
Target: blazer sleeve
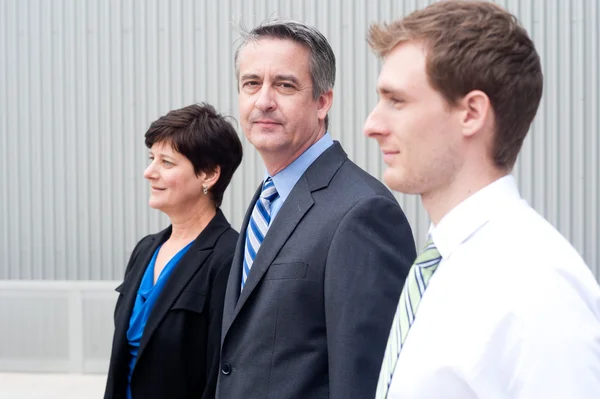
368,261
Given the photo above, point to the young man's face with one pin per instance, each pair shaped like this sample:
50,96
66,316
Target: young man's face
414,125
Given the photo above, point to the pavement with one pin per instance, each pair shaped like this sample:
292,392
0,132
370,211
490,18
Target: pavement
51,386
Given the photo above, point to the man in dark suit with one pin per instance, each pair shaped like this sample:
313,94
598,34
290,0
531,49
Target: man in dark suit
324,248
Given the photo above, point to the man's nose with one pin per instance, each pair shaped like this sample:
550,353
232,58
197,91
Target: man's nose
374,125
266,99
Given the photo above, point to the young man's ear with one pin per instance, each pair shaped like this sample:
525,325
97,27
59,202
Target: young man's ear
476,111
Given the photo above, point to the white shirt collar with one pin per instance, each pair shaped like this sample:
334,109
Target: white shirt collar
471,214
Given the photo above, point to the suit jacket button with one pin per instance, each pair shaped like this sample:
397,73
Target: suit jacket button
226,368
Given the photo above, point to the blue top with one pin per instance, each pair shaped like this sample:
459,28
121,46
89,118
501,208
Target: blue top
145,299
286,179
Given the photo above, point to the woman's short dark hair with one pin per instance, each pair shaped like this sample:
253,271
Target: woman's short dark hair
204,137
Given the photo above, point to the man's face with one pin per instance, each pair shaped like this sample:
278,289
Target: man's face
413,124
278,113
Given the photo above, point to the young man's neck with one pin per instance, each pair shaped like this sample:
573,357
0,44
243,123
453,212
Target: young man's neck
440,202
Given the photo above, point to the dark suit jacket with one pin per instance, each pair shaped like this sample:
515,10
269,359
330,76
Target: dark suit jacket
178,355
315,313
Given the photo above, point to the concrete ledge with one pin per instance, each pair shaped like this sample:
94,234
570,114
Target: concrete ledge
56,326
51,386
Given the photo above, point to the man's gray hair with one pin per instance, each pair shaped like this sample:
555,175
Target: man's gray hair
322,59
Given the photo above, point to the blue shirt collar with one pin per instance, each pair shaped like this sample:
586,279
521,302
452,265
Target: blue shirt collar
286,179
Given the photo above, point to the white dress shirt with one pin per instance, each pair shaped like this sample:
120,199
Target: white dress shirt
511,312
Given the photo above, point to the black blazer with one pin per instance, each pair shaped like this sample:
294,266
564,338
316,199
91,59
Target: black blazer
315,313
178,355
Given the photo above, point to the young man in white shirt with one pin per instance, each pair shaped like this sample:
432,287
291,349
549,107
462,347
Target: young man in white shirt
499,305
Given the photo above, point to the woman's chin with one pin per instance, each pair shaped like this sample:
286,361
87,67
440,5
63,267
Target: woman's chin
158,205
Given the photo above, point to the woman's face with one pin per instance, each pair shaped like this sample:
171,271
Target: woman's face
173,184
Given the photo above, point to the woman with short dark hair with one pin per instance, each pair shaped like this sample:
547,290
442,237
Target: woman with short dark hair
168,314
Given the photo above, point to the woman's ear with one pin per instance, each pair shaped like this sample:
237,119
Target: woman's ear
211,178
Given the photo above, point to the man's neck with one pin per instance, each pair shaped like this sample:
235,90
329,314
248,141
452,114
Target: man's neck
276,162
442,200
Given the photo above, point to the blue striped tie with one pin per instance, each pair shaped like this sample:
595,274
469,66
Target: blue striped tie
414,288
258,226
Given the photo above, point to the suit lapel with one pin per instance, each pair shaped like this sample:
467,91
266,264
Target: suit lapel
129,289
183,273
300,200
290,214
235,276
132,282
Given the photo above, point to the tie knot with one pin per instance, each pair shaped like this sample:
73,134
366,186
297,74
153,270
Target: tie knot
269,192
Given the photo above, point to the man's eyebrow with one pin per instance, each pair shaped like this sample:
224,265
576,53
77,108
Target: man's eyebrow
388,90
249,76
288,78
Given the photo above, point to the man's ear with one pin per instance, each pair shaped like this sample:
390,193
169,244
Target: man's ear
476,111
325,103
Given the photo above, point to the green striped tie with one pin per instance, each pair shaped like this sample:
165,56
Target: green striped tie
416,282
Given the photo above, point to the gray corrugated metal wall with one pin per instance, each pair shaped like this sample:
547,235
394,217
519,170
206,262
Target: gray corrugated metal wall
80,81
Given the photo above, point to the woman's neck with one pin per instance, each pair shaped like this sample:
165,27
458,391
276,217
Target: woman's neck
187,226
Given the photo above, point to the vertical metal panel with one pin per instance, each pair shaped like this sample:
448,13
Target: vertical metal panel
4,202
591,60
81,81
